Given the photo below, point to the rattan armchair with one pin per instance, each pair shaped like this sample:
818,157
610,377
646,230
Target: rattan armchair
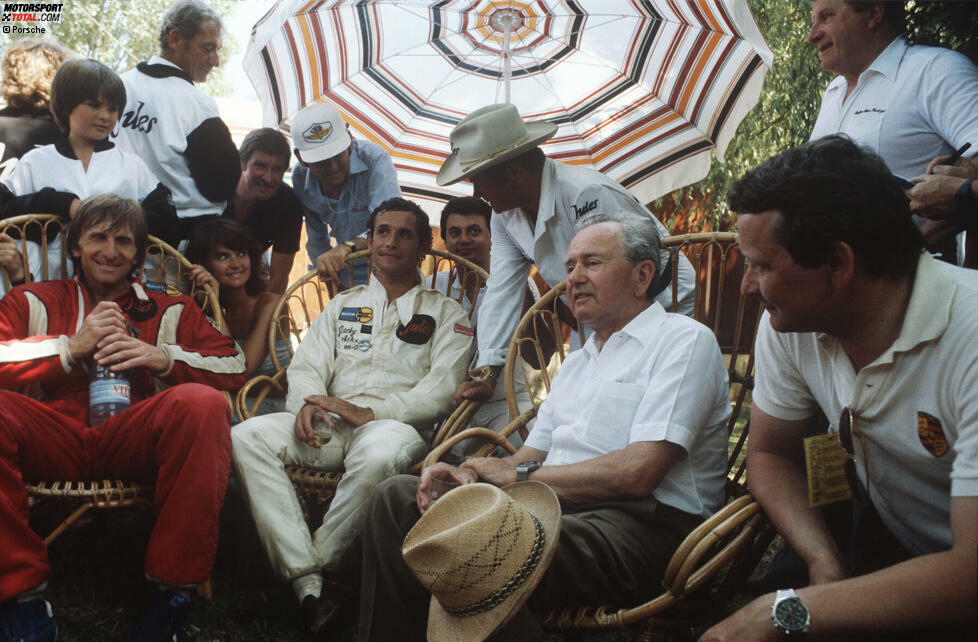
717,556
302,302
106,493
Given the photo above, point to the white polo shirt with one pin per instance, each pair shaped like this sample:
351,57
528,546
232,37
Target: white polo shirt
911,105
916,406
661,377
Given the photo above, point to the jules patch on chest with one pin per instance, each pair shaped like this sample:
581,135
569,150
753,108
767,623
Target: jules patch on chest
418,331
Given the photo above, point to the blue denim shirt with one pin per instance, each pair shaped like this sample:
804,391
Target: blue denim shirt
372,181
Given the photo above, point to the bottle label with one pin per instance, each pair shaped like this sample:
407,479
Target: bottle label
105,391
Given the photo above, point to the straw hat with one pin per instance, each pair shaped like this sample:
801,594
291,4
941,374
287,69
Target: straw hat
481,551
319,132
488,137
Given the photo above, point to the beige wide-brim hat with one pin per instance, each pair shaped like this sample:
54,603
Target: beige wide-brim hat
480,551
489,136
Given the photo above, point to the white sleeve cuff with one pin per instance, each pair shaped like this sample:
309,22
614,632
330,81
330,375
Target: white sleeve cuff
65,353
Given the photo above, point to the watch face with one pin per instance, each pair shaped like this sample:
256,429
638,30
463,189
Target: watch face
791,614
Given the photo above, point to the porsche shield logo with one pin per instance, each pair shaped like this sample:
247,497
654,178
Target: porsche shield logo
931,434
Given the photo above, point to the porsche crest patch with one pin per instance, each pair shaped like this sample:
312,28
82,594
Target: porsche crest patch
931,434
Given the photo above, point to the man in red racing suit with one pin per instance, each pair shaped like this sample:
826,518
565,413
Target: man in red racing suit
51,334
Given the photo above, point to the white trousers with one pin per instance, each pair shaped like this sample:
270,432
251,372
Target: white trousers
264,445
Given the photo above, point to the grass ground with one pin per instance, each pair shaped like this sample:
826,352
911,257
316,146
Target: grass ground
98,589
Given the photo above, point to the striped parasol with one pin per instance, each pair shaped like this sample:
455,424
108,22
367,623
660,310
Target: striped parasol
641,90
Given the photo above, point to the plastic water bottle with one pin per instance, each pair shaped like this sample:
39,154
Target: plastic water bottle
108,394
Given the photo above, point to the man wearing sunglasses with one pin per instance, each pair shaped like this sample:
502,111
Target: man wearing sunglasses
863,325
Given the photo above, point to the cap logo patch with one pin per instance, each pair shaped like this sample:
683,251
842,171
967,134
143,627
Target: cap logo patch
317,132
931,434
418,330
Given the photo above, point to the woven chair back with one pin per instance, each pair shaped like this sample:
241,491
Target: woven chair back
34,234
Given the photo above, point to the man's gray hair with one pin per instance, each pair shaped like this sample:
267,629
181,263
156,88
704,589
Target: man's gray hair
187,17
639,238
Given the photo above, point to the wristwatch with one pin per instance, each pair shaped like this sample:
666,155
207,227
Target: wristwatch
524,468
967,214
485,373
350,244
790,615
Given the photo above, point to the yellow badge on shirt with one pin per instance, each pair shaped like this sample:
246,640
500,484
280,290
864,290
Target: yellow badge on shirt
825,463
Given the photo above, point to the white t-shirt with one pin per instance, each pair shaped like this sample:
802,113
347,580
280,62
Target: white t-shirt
661,377
915,407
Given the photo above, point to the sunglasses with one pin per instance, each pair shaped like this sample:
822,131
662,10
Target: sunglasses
846,422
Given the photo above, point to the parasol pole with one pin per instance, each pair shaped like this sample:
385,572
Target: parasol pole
505,20
507,69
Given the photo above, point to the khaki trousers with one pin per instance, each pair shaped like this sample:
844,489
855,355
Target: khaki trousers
609,553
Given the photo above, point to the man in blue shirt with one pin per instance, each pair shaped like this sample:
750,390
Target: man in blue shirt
339,182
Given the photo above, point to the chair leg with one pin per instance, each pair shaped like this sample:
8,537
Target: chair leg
205,591
71,519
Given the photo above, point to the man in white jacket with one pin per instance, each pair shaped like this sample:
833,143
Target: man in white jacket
174,126
371,376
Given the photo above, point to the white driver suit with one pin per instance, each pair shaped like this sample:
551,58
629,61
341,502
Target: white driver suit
402,359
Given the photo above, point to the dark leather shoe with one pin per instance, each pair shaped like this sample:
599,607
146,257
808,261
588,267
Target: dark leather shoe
319,613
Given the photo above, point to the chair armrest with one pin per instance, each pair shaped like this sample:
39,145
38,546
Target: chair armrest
456,421
686,570
264,385
495,439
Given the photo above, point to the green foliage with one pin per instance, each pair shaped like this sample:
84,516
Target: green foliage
783,117
792,92
945,24
120,34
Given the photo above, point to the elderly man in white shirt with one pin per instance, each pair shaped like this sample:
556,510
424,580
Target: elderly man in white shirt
631,439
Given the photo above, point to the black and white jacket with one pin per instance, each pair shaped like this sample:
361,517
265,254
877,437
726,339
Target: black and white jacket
176,130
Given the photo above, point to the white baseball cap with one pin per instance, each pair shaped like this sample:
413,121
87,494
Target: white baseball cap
319,132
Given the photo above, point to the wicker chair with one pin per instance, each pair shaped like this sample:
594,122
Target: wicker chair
41,228
105,493
301,303
733,539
